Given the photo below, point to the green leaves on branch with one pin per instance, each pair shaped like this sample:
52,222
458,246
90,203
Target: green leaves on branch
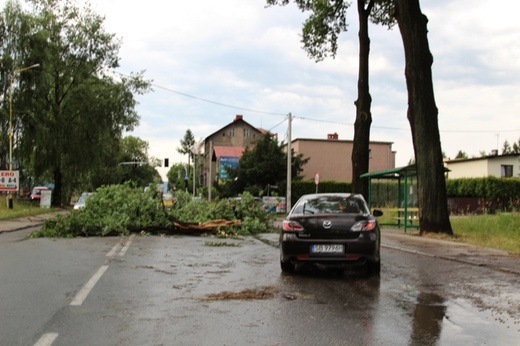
117,210
111,210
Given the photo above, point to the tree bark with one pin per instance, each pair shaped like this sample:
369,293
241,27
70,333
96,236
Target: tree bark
360,148
423,118
57,191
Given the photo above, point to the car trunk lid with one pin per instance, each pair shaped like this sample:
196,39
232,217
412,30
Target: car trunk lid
328,226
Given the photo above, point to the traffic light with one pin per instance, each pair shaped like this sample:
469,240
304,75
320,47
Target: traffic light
166,162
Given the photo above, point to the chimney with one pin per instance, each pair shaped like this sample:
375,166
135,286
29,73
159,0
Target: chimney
494,152
239,117
333,136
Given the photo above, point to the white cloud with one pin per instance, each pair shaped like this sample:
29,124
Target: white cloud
248,57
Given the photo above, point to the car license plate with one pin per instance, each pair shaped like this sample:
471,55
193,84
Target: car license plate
327,248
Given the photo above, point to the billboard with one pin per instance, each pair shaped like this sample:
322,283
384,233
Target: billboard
226,161
9,181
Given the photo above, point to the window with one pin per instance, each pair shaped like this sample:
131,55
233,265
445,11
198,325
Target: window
232,132
506,171
331,205
246,133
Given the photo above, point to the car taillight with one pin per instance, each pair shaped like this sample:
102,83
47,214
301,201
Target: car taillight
291,226
367,225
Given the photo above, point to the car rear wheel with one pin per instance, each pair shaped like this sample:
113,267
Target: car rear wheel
374,268
287,267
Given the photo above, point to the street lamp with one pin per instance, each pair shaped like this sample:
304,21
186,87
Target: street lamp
15,73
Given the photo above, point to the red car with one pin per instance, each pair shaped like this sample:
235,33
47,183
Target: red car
36,193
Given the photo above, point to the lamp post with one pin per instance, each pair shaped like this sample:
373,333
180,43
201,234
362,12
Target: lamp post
15,73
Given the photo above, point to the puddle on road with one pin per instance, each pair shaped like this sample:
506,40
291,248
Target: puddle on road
479,326
458,322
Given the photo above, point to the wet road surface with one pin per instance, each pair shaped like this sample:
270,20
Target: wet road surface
209,291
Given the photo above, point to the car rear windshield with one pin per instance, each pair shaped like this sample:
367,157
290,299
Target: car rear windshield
331,205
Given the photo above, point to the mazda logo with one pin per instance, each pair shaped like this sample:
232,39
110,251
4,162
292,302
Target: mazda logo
327,224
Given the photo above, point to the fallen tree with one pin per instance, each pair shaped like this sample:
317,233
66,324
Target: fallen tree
119,210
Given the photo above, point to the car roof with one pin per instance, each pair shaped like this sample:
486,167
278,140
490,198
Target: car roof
325,194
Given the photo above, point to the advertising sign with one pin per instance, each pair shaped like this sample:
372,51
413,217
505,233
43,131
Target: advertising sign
226,161
9,181
275,204
45,201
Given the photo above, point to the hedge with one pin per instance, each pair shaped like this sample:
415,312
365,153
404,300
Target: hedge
501,191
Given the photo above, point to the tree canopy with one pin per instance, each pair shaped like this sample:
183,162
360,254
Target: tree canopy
261,166
461,155
511,149
71,114
177,177
187,143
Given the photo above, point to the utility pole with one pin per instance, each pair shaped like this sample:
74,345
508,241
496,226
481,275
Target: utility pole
289,164
210,174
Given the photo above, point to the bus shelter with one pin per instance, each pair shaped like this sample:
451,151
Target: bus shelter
403,206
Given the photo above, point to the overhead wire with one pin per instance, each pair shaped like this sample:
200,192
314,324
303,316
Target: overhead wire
217,103
309,118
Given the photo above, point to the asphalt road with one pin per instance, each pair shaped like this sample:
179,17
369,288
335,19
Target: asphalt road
189,291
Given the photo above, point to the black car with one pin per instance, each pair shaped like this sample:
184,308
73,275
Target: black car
334,229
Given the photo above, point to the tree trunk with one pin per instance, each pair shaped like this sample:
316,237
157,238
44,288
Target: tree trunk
57,191
360,148
423,118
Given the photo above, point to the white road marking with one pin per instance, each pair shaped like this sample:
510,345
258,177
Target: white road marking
46,339
114,250
83,293
49,338
127,245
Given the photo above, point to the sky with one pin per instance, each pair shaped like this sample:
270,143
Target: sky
211,60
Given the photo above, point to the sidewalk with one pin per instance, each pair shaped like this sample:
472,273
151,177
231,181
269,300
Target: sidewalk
24,222
475,255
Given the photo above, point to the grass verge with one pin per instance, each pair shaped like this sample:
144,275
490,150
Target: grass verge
499,231
21,208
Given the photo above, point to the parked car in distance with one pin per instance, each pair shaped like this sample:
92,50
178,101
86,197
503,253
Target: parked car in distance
167,199
80,203
333,229
36,193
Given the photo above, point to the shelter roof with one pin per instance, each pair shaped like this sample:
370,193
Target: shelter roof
393,173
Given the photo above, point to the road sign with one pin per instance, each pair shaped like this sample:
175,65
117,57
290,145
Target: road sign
9,181
317,179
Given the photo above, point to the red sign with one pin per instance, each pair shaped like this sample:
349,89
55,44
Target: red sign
9,181
317,179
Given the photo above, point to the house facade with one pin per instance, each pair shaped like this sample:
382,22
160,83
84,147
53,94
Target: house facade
224,148
501,166
331,157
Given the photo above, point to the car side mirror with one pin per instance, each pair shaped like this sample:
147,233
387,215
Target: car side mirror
377,213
